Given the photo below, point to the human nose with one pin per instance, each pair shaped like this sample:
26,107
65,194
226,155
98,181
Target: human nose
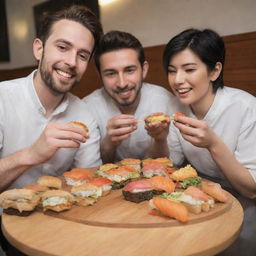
179,77
71,59
121,81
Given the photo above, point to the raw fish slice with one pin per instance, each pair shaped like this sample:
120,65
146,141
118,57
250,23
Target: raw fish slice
197,194
214,189
162,183
138,185
170,208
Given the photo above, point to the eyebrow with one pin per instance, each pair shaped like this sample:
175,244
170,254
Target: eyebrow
70,44
184,65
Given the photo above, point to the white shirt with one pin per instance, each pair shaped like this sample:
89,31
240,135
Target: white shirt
22,120
232,117
153,99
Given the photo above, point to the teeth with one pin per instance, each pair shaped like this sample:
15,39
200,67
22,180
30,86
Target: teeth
183,90
64,73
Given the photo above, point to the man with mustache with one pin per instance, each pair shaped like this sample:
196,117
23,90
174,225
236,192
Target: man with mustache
125,98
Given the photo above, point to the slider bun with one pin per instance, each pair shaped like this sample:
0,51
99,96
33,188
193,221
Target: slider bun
130,161
50,182
161,118
84,187
36,187
15,194
57,193
79,125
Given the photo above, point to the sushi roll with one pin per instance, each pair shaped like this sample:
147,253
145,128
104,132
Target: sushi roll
103,183
153,169
170,208
86,194
77,176
137,191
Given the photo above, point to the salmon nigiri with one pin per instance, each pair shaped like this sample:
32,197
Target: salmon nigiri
214,189
170,208
197,193
162,183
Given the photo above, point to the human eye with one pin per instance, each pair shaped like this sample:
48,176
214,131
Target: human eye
190,70
84,57
171,71
109,74
130,70
61,47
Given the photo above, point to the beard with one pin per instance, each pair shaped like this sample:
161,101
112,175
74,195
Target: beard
48,79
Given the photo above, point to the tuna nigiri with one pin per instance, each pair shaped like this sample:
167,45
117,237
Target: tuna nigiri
214,189
162,184
170,208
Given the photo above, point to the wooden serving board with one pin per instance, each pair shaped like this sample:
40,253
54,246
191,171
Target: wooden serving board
113,211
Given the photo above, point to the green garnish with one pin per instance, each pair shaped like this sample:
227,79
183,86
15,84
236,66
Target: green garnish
190,182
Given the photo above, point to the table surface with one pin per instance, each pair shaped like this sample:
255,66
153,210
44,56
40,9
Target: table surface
43,235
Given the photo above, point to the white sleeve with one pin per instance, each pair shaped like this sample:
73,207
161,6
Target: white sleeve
175,147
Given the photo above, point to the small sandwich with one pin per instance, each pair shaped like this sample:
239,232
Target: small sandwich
39,189
157,118
103,183
104,168
20,202
50,182
77,176
153,169
86,194
184,173
135,163
79,125
138,191
176,114
57,200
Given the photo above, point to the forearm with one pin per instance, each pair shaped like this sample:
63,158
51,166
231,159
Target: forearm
237,175
158,148
12,167
107,151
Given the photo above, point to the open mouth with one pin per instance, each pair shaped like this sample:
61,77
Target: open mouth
64,74
183,91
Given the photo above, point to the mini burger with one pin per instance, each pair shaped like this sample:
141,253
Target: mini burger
157,118
79,125
57,200
77,176
135,163
50,182
36,187
86,194
21,202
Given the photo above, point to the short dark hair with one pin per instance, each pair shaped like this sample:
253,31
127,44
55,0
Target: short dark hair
77,13
206,44
117,40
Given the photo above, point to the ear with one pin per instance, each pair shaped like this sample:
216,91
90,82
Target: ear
216,71
145,67
38,49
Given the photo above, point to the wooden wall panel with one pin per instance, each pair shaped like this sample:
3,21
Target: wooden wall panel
240,67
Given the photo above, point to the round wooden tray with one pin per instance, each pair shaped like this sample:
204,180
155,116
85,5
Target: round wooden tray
113,211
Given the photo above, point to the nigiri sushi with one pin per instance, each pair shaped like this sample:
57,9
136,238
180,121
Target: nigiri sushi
137,191
214,190
162,184
170,208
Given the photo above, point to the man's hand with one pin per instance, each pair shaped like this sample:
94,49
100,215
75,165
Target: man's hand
158,130
55,136
120,128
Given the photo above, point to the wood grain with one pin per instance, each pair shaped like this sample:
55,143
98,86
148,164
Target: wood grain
113,211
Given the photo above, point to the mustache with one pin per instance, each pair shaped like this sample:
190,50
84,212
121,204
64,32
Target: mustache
124,89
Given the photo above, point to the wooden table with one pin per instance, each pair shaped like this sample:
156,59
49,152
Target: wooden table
44,235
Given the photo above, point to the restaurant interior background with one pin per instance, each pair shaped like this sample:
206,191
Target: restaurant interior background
153,22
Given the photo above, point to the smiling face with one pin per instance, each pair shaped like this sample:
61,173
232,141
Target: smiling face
122,76
191,81
64,57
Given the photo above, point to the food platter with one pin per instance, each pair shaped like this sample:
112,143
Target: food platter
113,211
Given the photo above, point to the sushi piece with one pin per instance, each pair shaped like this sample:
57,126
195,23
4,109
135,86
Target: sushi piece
103,183
77,176
162,184
138,191
57,200
183,173
170,208
153,169
214,190
135,163
86,194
